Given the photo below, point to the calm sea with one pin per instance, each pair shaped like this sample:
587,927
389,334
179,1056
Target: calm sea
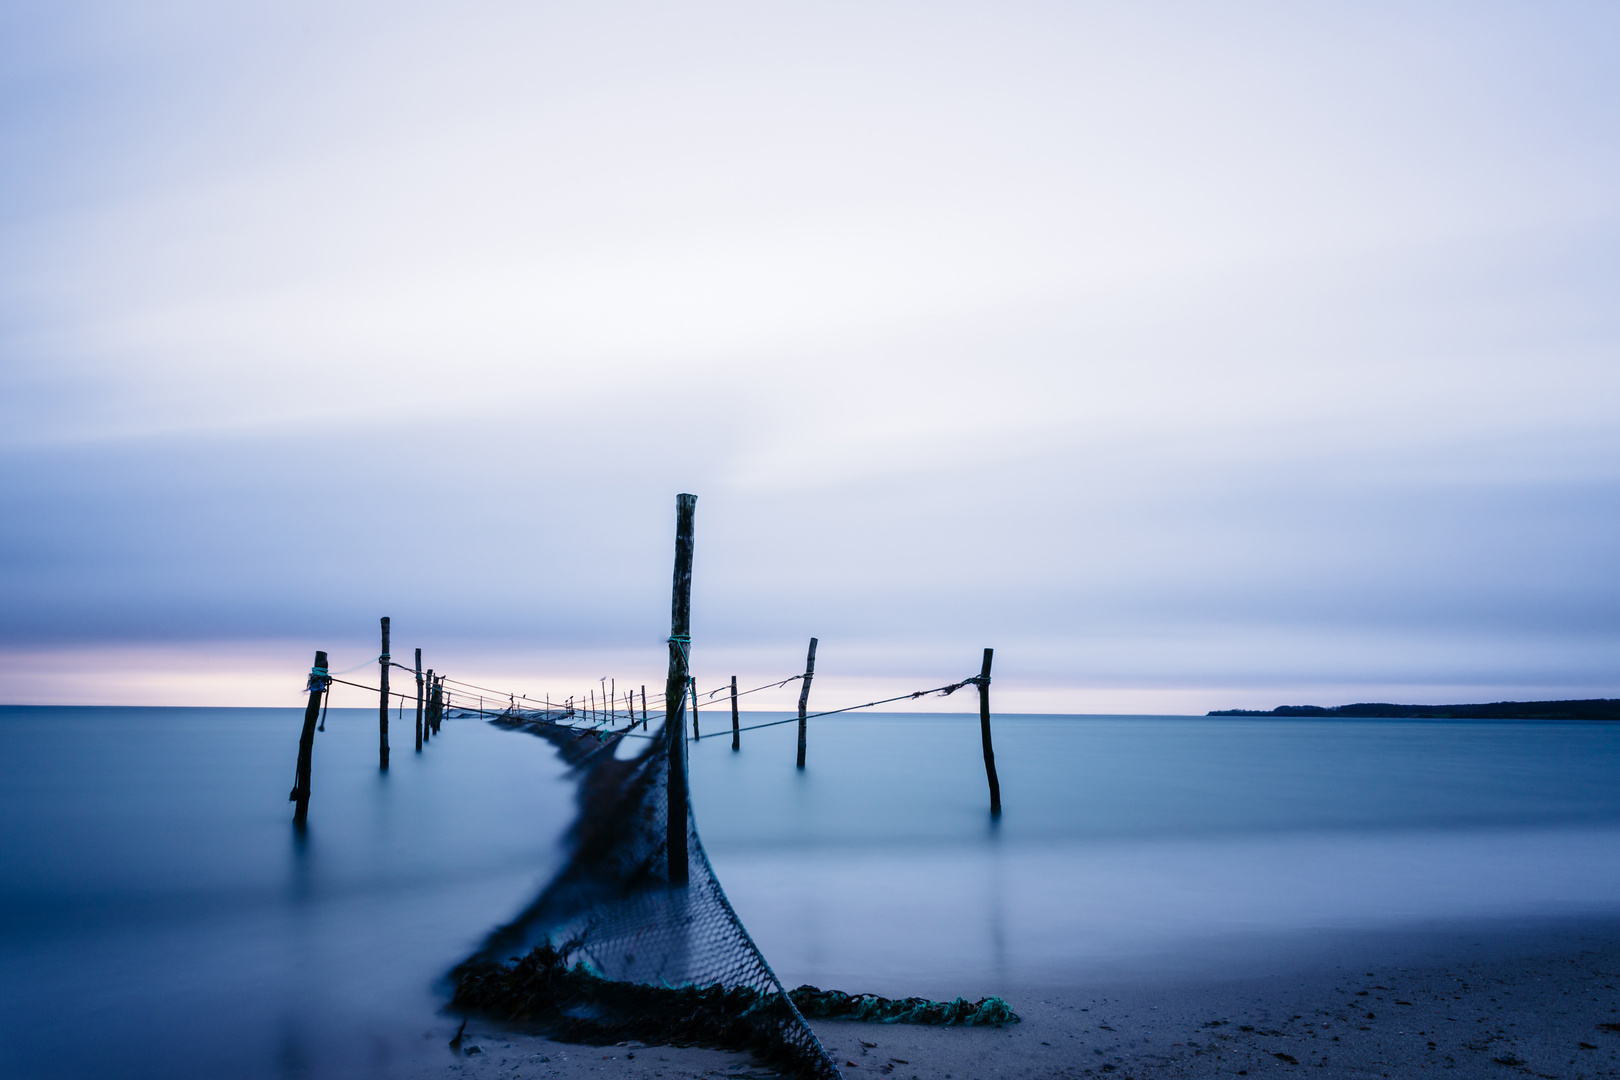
158,917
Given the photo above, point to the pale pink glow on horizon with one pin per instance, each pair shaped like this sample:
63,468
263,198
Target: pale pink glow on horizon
271,674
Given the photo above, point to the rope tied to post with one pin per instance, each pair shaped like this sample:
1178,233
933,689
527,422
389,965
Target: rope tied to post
319,680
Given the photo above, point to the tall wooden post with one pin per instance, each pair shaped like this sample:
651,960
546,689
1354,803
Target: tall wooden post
680,638
418,701
644,707
984,733
427,714
692,683
383,662
804,695
306,740
736,735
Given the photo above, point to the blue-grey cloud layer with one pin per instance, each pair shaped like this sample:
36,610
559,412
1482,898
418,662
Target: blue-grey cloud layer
1268,347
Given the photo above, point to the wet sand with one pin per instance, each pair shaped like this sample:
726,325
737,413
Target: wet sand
1544,1004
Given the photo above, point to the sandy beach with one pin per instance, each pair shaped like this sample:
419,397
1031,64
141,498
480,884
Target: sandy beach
1487,1003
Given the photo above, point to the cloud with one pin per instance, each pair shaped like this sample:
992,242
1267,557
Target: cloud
1040,324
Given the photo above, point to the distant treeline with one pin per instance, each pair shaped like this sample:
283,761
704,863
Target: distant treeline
1589,709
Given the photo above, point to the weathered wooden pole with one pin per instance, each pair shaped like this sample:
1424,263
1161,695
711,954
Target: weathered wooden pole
804,695
306,741
692,683
984,733
382,707
427,716
736,735
680,638
418,701
644,707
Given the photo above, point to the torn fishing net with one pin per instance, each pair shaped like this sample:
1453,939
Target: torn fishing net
610,951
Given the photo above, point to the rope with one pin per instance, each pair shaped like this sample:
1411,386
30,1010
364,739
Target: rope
375,690
942,691
357,667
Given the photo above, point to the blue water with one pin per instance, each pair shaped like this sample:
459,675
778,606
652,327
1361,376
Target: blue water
158,917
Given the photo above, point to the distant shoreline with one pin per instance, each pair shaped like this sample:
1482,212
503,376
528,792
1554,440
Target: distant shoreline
1585,709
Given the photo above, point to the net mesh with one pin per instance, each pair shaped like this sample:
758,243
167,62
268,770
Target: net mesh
610,948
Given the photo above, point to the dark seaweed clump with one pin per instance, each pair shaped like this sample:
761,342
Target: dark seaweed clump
837,1005
576,1004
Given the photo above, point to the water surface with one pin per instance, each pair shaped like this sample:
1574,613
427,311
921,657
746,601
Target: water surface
159,917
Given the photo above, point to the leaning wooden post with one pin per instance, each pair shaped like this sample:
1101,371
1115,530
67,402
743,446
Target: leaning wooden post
984,732
680,637
382,702
736,735
804,695
418,701
318,682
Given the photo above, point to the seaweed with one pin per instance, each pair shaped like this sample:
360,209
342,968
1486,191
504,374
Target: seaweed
578,1004
837,1005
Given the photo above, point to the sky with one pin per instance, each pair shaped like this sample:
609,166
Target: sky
1192,356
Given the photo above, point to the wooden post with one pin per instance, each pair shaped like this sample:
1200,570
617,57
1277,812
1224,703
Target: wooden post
382,708
427,716
680,637
643,706
804,695
418,701
613,709
691,682
306,740
984,733
736,735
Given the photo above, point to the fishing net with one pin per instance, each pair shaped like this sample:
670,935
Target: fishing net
610,950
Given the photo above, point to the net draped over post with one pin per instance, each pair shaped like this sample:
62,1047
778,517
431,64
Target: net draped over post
610,947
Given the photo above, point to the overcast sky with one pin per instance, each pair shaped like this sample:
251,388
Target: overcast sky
1190,355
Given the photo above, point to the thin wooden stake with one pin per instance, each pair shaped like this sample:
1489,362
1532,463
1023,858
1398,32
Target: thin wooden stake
680,636
736,735
382,709
984,732
418,701
804,695
306,740
427,717
691,682
643,706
